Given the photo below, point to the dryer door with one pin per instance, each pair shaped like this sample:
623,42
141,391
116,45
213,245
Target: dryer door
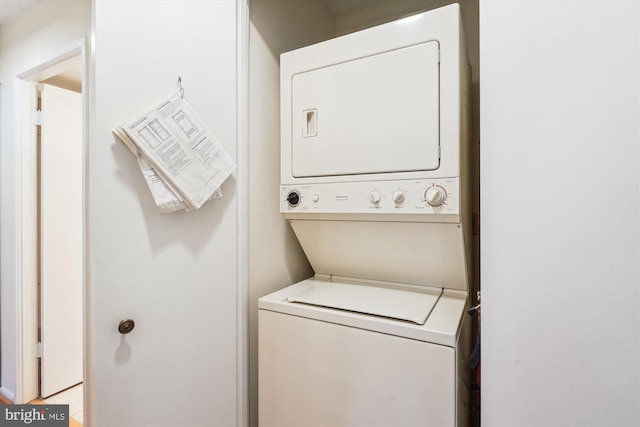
377,114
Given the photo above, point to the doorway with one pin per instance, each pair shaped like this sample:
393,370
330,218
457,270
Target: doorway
60,241
50,327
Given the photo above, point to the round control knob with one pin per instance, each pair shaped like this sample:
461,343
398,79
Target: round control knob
315,198
374,197
293,198
398,196
435,196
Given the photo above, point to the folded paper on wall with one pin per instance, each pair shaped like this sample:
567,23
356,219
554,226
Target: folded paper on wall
180,159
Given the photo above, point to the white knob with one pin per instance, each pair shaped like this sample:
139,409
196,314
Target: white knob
374,197
435,196
315,198
398,196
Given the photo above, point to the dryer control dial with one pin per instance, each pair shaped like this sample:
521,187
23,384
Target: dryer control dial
293,198
374,196
435,196
398,196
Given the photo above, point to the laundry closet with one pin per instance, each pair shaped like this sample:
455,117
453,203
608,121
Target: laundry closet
281,26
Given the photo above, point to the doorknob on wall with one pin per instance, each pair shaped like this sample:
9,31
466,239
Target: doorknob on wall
126,326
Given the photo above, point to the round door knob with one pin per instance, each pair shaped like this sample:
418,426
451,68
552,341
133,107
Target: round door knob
435,196
374,197
293,198
126,326
398,196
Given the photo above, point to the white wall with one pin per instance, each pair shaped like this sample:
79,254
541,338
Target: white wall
175,275
276,259
560,211
24,43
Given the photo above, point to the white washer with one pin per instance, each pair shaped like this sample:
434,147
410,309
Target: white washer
374,184
321,366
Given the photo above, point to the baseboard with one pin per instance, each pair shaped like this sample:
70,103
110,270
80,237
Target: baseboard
6,395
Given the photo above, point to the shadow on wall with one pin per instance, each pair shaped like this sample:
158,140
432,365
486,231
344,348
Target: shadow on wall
192,229
265,14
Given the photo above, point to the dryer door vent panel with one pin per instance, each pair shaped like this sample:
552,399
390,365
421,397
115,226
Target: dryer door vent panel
377,114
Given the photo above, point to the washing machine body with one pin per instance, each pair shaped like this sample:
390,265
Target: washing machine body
326,366
374,183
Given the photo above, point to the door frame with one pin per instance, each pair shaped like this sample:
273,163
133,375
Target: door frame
242,255
27,380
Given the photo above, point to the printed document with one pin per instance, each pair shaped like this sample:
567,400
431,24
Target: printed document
182,162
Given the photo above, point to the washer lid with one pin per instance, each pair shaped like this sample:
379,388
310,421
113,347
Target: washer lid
378,301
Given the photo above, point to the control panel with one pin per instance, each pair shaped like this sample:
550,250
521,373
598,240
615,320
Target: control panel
429,196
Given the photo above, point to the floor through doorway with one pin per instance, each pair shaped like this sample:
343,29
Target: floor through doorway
74,398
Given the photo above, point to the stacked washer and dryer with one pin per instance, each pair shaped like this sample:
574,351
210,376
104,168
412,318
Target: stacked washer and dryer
374,182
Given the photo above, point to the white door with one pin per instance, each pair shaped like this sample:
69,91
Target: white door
174,275
61,239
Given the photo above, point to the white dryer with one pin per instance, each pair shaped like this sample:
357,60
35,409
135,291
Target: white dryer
374,184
